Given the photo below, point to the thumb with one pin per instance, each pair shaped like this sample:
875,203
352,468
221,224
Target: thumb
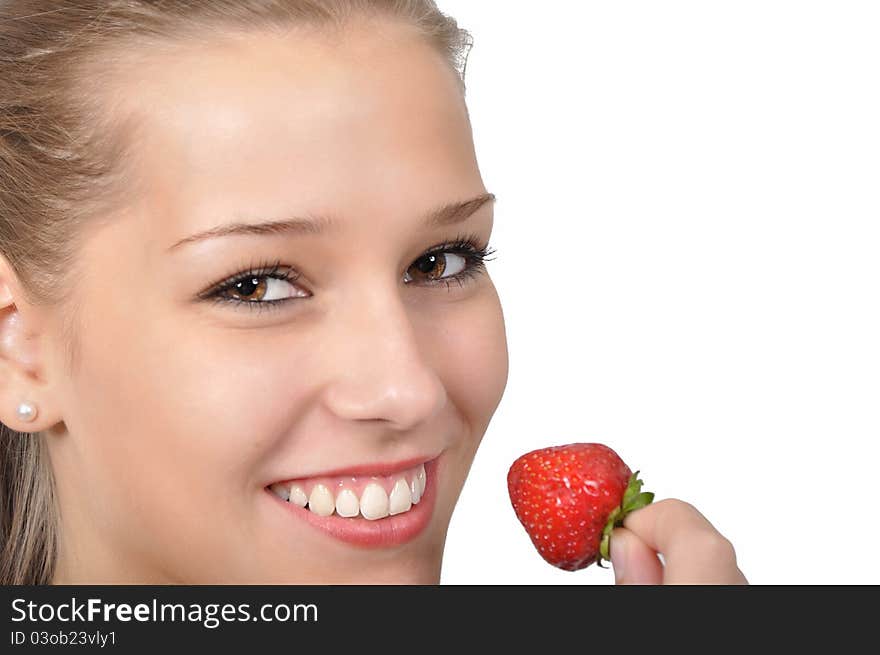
633,560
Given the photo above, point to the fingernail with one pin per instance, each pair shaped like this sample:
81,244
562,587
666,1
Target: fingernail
618,557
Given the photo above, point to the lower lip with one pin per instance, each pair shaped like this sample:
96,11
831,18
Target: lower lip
381,533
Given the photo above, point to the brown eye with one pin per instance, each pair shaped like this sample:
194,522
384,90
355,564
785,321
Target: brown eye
432,266
261,288
251,290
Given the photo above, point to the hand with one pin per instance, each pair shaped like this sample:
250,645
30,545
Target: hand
693,550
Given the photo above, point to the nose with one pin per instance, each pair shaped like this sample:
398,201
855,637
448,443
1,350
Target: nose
381,370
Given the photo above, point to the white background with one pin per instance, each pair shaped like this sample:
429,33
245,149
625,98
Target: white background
688,237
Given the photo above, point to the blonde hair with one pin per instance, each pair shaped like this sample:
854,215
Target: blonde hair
59,158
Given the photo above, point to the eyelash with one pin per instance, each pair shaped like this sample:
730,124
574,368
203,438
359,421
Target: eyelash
466,246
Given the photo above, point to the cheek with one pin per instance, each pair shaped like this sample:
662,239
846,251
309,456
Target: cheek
471,356
173,420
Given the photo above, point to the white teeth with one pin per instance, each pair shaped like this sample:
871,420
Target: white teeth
422,478
347,503
374,502
298,496
400,500
415,491
281,491
321,501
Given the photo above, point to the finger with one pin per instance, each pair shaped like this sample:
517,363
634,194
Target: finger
694,551
661,524
633,561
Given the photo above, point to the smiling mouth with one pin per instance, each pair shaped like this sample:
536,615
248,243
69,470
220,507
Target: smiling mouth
371,497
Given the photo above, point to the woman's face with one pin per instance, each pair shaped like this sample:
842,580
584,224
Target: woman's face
188,402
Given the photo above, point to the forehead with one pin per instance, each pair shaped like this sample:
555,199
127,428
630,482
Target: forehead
270,123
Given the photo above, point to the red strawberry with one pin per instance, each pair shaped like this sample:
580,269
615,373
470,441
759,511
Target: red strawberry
570,498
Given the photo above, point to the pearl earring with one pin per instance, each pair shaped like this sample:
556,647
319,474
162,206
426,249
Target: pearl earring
27,411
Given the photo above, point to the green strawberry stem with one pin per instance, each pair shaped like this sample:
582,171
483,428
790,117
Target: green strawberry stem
633,499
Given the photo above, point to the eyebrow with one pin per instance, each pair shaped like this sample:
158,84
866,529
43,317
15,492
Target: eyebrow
449,214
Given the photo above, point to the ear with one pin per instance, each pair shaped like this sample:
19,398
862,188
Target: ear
23,372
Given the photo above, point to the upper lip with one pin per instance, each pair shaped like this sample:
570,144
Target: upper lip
375,468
